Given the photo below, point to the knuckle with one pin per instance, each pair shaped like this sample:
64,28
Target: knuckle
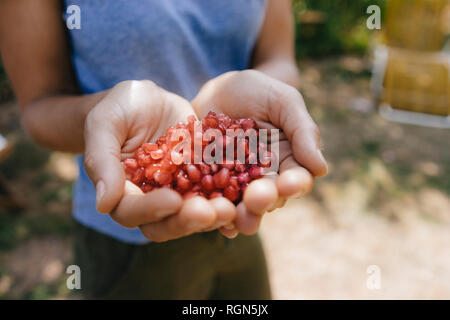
89,162
120,220
292,93
149,233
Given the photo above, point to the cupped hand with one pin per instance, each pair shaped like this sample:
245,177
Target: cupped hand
134,112
272,104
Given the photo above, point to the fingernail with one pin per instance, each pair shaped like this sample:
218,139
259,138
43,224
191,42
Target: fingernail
234,235
322,158
100,188
229,226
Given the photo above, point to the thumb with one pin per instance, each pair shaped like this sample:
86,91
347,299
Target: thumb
102,163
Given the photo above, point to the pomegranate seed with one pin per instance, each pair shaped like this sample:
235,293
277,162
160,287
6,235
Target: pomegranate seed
183,183
214,167
248,124
146,188
149,147
231,193
194,174
159,165
204,168
255,172
215,194
239,167
229,166
157,154
208,183
234,182
131,164
222,178
150,171
137,176
189,195
162,177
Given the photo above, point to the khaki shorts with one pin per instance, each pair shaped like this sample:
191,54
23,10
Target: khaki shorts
201,266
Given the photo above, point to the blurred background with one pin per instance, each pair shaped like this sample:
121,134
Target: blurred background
385,203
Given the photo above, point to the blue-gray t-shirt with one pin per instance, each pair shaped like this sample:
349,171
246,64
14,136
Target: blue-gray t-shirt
178,44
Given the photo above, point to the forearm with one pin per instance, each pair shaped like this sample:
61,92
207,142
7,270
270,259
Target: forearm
57,122
284,70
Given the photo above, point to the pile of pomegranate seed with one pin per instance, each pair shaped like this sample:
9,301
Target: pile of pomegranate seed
153,165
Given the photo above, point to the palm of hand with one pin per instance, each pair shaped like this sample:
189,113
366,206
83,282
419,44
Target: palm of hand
142,112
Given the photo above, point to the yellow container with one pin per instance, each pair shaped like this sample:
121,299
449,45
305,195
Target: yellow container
413,73
418,82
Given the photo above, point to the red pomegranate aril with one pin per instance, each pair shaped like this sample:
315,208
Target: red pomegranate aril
189,195
137,176
210,122
146,188
161,164
215,194
255,172
176,157
183,183
239,167
194,173
149,147
234,182
150,171
208,183
191,119
157,154
197,187
144,160
243,177
168,166
162,177
229,166
231,193
204,168
214,167
131,164
248,124
222,178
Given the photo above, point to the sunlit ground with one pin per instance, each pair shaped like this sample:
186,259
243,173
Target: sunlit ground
385,203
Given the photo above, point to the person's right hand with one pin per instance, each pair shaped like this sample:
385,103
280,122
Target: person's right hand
134,112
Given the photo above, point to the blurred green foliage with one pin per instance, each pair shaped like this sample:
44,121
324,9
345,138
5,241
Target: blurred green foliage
329,27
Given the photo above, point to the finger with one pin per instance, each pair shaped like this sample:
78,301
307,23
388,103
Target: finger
136,208
288,111
280,203
226,212
229,233
260,195
246,222
196,215
294,180
102,163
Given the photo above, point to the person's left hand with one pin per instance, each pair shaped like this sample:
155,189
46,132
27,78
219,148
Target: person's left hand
272,104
